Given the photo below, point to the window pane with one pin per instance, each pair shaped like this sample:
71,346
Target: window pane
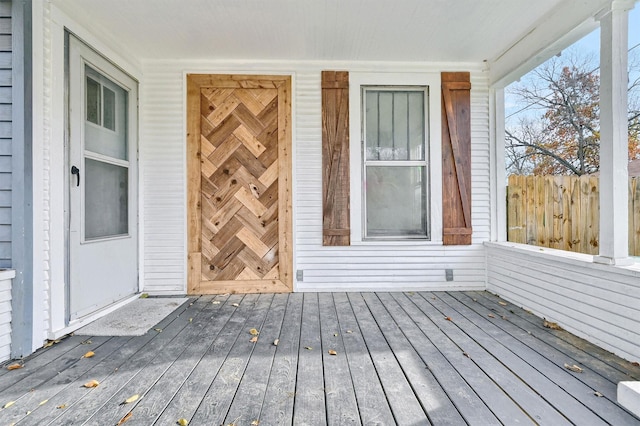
106,200
396,201
108,139
394,125
93,101
109,119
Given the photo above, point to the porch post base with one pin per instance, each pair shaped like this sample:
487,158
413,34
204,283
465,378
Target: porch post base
618,261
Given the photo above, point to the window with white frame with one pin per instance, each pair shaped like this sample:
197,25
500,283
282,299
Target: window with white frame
395,162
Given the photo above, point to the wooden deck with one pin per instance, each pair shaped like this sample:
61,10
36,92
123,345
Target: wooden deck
400,358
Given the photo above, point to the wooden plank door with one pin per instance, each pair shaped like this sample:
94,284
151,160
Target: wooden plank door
239,183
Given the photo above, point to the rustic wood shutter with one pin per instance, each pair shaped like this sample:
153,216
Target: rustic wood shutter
335,158
456,158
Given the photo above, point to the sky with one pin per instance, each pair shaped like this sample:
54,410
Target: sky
590,44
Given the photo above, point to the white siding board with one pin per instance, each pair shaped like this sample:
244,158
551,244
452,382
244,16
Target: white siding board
382,266
598,302
5,319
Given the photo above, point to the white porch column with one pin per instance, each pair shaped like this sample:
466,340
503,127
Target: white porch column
614,179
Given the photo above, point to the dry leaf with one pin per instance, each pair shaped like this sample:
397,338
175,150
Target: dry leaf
275,342
635,364
308,348
504,317
190,319
216,302
598,394
183,422
335,334
144,295
448,318
235,304
91,384
491,316
48,344
44,402
332,352
466,354
573,368
551,325
502,303
475,300
14,366
131,399
86,342
159,330
255,423
349,331
88,354
254,332
254,339
28,412
9,404
61,407
125,418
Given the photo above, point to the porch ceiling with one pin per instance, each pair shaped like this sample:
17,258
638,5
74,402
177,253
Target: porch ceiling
360,30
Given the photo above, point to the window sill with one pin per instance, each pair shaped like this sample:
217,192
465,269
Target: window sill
396,243
567,257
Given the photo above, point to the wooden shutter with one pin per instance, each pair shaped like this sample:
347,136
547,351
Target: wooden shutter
335,158
456,158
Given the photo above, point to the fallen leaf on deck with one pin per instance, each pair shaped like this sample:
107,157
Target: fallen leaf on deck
255,423
144,295
9,404
44,402
48,344
190,319
125,418
573,368
159,330
14,366
61,407
183,422
254,332
332,352
551,325
88,354
335,334
349,331
235,304
598,394
131,399
411,293
275,342
635,364
216,302
502,303
448,318
91,384
28,412
86,342
254,339
308,348
466,354
491,316
504,317
475,300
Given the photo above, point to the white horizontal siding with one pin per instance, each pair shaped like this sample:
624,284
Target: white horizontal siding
598,302
162,159
382,266
5,319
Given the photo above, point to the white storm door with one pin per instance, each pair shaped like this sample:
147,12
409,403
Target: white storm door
102,167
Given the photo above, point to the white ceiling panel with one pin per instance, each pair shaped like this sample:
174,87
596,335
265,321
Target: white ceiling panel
360,30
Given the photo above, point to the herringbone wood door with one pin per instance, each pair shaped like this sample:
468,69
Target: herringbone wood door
239,213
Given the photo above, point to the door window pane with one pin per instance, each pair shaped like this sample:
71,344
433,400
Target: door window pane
109,108
106,200
93,101
396,201
109,137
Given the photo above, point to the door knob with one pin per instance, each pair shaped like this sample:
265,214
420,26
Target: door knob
76,171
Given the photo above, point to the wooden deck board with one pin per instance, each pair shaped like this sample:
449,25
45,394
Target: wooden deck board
598,394
400,358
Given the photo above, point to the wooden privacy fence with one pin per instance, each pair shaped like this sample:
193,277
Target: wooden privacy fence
563,212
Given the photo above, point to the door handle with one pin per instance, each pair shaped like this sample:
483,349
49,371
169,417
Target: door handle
76,171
